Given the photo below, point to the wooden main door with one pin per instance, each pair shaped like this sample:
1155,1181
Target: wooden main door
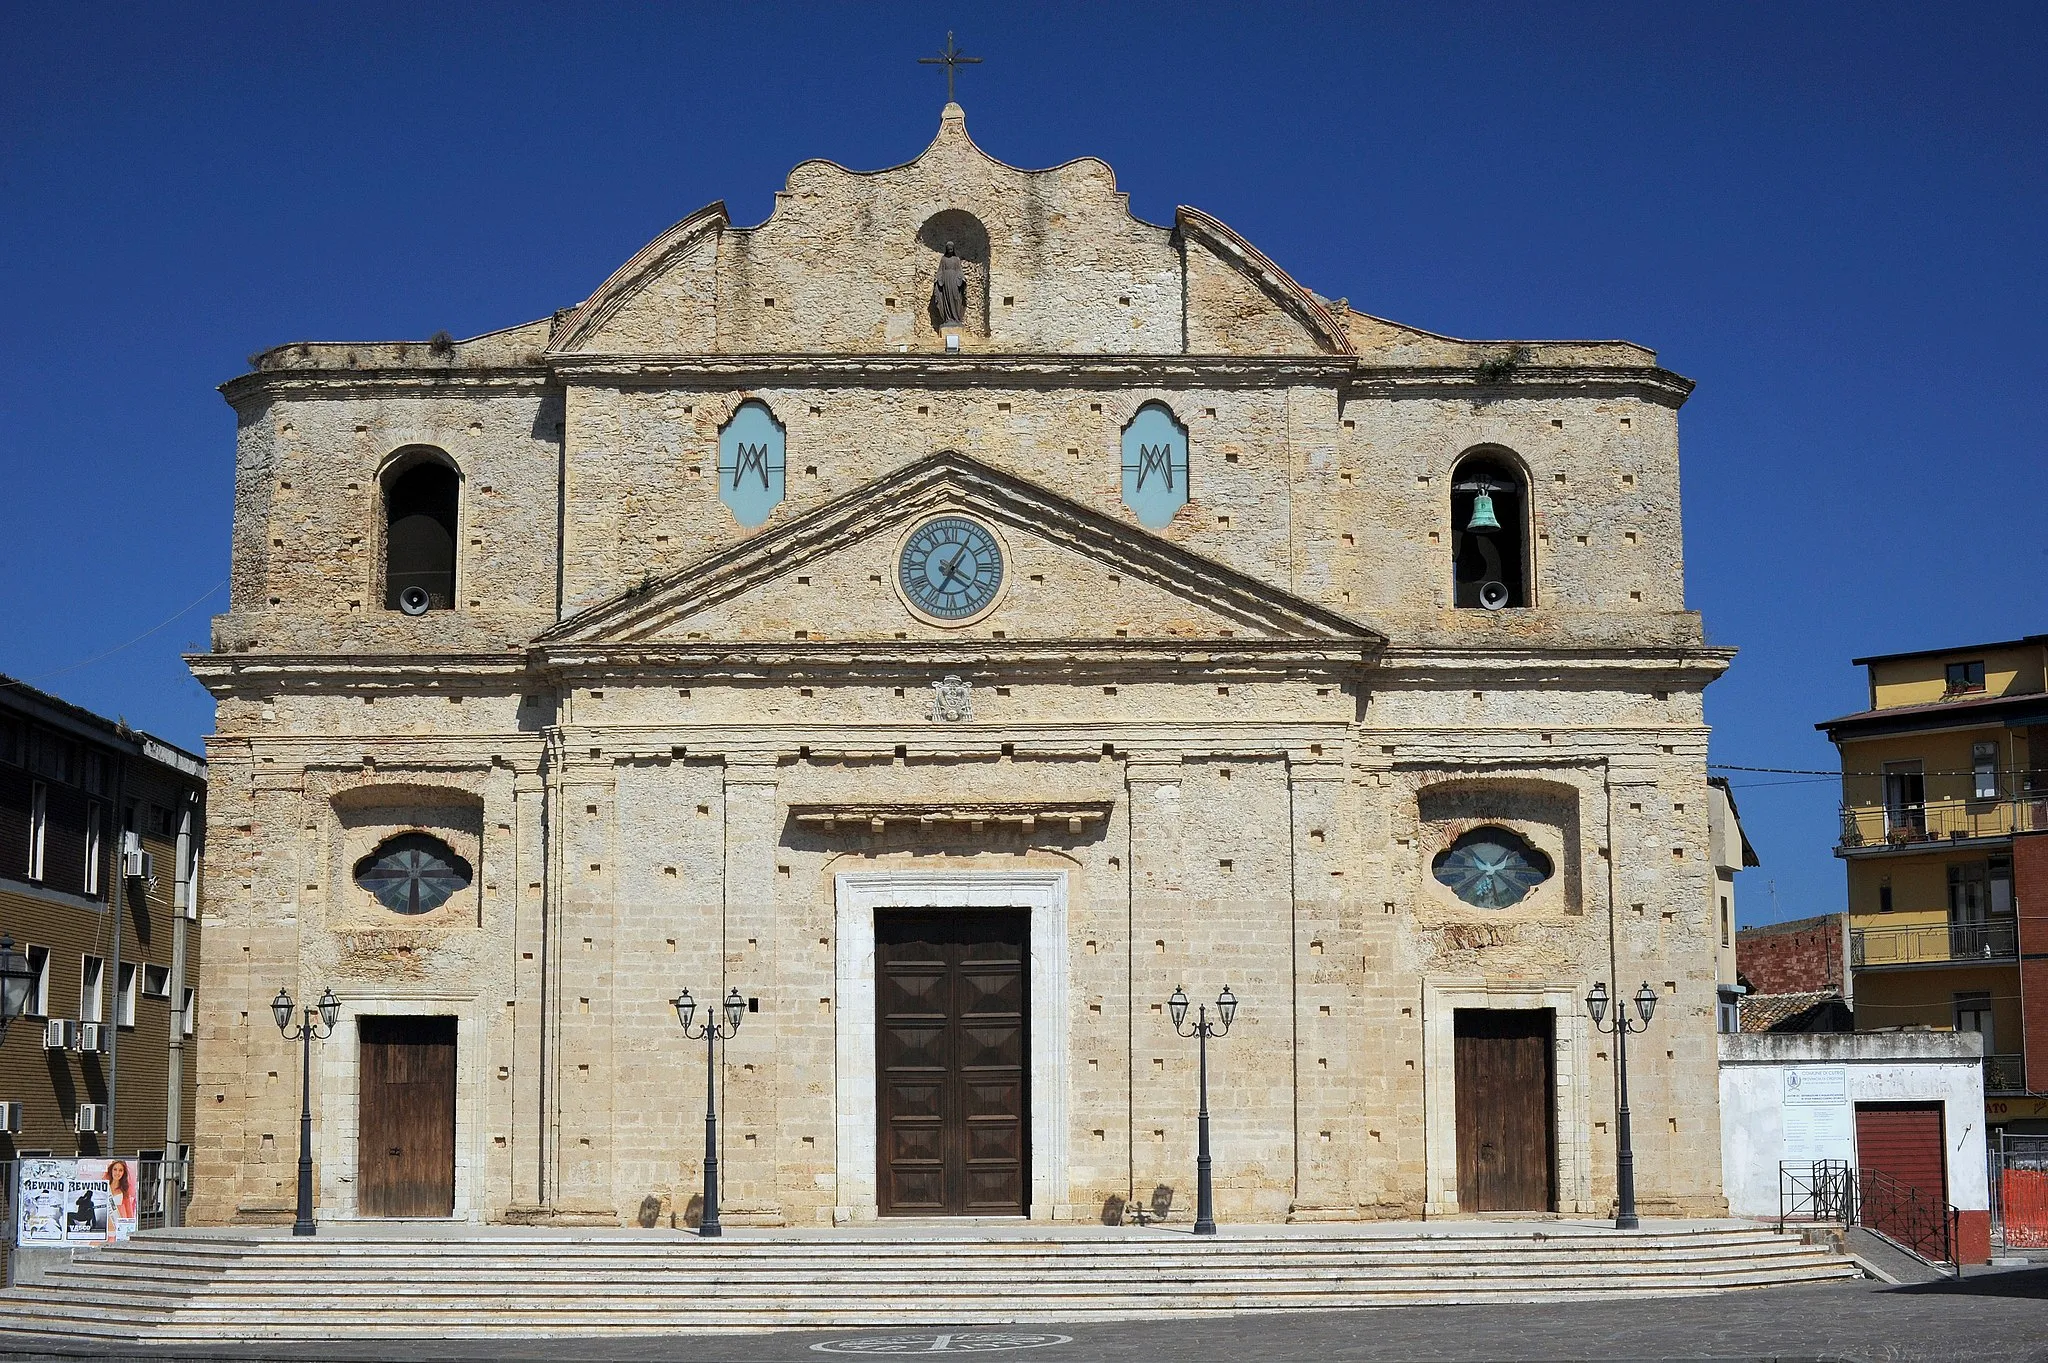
1505,1100
405,1156
952,1063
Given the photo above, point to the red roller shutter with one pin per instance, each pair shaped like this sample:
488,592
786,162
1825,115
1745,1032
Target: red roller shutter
1904,1142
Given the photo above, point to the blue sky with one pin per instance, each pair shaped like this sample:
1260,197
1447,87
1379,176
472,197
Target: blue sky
1833,217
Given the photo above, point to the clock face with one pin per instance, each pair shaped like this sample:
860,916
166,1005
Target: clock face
951,569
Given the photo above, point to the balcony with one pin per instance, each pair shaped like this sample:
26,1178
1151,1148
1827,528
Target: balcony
1919,824
1935,944
2005,1074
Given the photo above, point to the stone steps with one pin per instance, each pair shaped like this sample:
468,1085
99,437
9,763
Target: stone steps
182,1287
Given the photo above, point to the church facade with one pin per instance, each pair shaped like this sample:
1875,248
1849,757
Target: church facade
954,614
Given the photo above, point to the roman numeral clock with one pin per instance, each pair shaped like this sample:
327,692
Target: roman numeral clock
950,570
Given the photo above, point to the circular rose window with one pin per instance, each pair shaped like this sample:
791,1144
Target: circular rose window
413,873
1491,868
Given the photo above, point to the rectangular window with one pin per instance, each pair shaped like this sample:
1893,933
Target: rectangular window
95,773
93,819
39,986
92,976
2001,885
1984,771
149,1183
124,1003
188,1013
10,742
1969,892
51,756
1727,922
38,828
1728,1010
1965,677
156,981
1973,1014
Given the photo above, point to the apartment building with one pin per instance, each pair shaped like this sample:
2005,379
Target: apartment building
1944,834
100,832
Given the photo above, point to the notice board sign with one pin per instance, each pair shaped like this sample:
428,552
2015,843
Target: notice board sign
75,1201
1819,1123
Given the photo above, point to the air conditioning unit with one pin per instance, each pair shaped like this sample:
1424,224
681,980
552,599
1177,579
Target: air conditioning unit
10,1119
137,864
92,1118
92,1038
60,1034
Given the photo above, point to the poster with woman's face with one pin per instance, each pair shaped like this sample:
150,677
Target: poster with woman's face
76,1201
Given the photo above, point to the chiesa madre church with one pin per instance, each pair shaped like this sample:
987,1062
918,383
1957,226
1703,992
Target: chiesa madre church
954,613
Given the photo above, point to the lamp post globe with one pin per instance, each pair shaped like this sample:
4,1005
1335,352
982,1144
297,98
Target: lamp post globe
281,1009
1646,1001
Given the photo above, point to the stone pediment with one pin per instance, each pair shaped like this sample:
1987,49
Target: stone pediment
1072,577
1054,263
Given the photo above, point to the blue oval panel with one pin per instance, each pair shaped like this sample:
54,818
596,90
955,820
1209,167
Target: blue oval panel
750,463
1155,465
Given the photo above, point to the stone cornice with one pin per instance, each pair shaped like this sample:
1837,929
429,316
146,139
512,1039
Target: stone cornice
1025,815
423,381
226,674
1524,380
1169,659
1399,666
931,370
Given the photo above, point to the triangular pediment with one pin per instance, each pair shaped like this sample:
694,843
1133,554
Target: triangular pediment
1072,575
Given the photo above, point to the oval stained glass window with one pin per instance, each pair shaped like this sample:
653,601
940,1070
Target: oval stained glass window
413,873
1491,868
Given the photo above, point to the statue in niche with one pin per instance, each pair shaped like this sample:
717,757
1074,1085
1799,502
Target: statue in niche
949,290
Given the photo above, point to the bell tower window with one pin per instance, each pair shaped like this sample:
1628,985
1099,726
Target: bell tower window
422,499
1489,533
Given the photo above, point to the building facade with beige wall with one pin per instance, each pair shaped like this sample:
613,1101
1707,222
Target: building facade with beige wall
954,613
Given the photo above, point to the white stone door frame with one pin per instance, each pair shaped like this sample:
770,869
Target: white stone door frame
339,1083
858,895
1571,1075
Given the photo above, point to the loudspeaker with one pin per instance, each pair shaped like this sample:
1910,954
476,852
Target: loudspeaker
1493,595
414,601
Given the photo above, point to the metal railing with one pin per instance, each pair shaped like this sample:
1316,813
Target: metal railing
1870,826
1816,1190
1994,939
2019,1191
2005,1074
1909,1220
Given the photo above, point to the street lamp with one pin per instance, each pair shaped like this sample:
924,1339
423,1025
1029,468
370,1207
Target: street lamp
16,980
712,1033
318,1024
1624,1152
1226,1012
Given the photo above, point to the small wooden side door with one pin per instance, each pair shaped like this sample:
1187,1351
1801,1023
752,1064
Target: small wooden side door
1504,1087
405,1156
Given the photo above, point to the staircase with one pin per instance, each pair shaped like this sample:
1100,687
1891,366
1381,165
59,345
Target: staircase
191,1286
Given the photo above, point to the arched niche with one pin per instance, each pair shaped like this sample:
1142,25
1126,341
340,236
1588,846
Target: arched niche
969,239
1490,539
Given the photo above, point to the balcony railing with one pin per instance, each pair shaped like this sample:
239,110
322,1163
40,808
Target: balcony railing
2005,1074
1994,940
1869,827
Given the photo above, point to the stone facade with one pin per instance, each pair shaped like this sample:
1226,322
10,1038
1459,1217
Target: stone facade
677,750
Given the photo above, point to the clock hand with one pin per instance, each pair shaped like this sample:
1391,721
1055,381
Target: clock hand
949,571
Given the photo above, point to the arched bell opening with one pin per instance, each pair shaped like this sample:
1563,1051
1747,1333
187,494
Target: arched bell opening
1489,533
422,513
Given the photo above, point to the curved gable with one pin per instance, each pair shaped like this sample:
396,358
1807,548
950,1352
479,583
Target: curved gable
1053,261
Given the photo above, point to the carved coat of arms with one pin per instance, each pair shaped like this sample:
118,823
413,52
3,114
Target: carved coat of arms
952,700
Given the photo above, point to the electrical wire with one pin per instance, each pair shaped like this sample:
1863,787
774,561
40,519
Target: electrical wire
97,657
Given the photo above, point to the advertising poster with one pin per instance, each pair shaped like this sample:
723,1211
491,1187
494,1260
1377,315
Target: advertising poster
76,1201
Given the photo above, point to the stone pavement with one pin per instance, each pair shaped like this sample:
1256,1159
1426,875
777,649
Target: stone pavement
1989,1317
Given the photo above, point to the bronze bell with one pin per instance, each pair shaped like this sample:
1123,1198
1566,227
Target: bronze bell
1482,512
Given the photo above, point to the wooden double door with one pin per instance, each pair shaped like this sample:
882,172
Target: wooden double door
1506,1087
405,1153
952,1071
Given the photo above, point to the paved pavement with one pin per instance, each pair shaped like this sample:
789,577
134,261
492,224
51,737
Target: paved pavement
1992,1317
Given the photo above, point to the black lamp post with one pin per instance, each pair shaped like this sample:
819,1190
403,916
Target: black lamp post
712,1033
318,1024
1226,1012
1624,1152
16,979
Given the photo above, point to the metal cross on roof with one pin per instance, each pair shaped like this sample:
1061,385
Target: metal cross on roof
949,59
